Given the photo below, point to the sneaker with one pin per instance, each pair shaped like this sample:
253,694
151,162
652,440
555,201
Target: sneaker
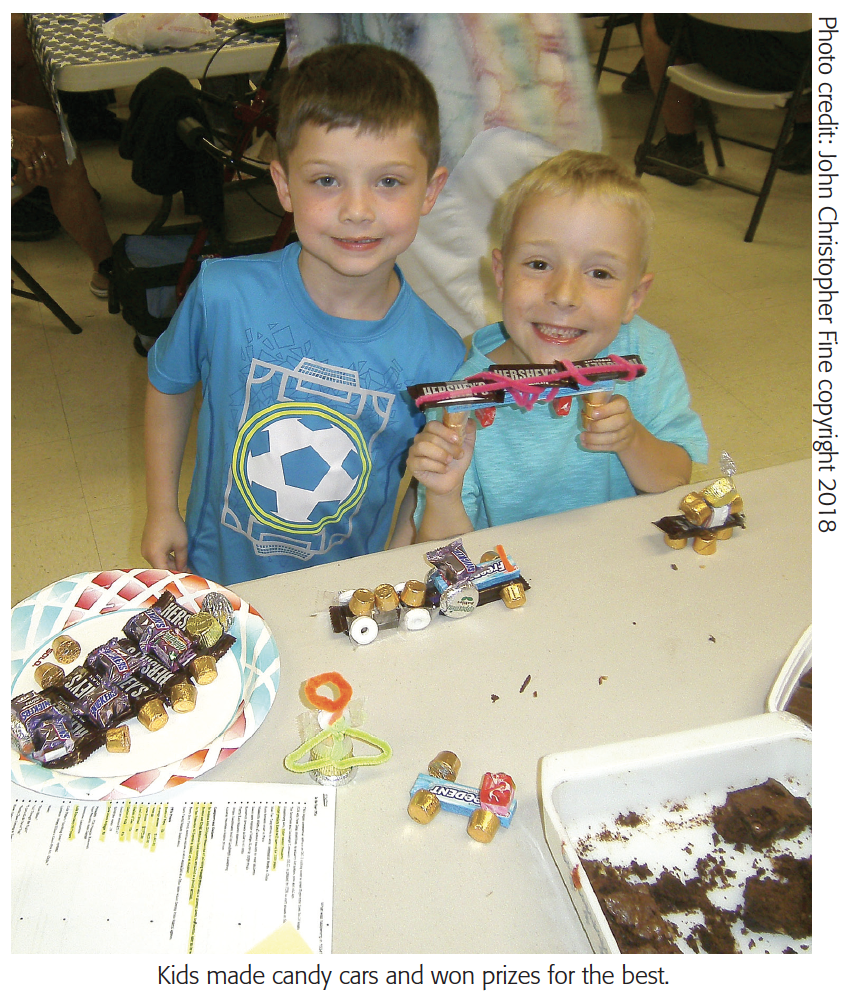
636,81
99,285
796,155
691,159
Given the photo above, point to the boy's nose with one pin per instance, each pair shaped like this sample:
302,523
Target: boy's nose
565,289
357,206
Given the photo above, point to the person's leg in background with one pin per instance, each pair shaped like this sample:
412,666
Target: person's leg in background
680,146
71,195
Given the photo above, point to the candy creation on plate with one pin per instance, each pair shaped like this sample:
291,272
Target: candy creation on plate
163,653
328,732
488,807
708,515
527,385
454,586
130,682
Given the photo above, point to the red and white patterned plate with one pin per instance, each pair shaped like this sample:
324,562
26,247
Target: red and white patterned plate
93,607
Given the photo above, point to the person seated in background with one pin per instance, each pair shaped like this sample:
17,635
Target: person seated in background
40,154
571,276
764,60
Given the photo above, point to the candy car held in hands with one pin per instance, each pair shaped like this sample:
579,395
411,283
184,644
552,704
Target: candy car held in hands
454,586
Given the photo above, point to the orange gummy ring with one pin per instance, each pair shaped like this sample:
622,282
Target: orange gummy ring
333,680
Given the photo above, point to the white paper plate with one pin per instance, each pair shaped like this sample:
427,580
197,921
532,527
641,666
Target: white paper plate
93,607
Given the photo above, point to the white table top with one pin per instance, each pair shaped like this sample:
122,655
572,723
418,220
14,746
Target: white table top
622,637
74,54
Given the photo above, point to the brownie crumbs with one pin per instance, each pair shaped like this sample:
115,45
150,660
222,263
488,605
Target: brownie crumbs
762,814
608,836
711,870
639,869
714,935
631,818
781,905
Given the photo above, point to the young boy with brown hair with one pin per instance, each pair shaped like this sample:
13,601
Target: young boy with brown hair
303,353
571,275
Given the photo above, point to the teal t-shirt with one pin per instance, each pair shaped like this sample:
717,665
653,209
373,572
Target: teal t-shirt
527,464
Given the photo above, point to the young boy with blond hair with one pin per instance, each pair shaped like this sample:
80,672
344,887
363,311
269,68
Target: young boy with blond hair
571,276
303,353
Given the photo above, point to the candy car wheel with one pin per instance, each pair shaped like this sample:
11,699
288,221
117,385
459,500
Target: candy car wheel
415,619
456,602
363,630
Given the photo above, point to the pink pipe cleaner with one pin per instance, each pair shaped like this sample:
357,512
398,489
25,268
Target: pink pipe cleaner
526,392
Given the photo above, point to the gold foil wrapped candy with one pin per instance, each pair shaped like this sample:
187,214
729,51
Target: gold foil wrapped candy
65,649
205,628
423,806
445,765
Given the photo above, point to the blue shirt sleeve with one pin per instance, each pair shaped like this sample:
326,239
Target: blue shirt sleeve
174,362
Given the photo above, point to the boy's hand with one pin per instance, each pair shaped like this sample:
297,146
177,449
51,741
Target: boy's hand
164,541
652,465
439,456
609,426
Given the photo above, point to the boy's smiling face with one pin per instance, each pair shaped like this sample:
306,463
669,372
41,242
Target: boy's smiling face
569,276
356,197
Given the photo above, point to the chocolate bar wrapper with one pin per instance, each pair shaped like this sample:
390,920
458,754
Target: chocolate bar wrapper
90,696
82,737
114,660
156,636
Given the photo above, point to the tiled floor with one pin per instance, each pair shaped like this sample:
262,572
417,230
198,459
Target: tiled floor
739,315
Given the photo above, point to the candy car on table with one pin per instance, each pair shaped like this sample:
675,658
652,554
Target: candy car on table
454,586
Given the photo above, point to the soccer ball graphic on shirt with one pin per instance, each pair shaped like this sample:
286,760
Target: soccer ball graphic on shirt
301,466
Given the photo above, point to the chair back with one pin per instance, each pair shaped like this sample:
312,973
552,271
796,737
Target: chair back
758,22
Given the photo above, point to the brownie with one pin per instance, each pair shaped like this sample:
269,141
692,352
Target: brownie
632,914
762,814
781,905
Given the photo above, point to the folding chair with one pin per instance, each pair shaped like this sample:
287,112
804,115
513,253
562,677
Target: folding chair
612,22
707,86
36,293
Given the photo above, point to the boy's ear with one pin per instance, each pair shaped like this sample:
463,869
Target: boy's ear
434,188
637,297
497,268
282,185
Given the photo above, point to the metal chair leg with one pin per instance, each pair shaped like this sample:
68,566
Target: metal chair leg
607,38
714,135
38,294
642,151
783,136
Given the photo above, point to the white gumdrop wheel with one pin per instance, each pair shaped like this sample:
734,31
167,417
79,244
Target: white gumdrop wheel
415,619
363,630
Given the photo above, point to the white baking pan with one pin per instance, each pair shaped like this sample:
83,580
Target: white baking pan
671,782
798,663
